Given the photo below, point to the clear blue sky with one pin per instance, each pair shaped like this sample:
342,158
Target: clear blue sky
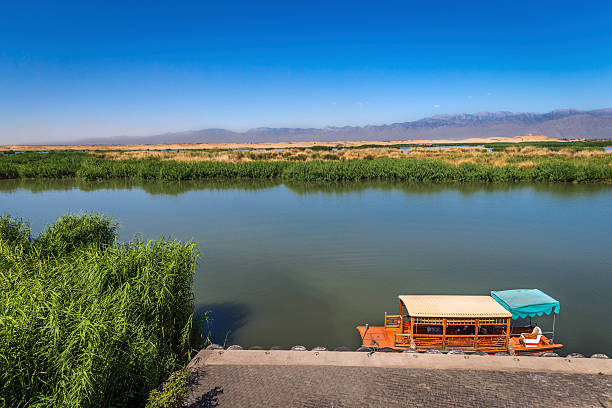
71,70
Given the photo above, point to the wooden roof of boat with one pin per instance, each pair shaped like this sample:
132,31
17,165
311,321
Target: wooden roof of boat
453,306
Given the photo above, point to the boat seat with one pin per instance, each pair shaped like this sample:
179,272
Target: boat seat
531,340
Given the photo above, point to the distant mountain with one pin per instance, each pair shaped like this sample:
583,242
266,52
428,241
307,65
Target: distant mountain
563,123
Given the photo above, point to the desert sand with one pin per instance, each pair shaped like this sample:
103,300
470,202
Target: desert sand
279,145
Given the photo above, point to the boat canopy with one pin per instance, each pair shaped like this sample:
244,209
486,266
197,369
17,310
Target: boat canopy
526,302
453,306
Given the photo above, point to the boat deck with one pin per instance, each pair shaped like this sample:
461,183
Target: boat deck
545,345
381,337
377,336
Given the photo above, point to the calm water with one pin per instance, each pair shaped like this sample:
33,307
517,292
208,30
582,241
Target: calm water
304,264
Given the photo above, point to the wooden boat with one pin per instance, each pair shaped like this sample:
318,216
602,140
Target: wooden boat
468,323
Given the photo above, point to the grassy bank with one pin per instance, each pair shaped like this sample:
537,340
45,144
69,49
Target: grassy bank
86,321
514,164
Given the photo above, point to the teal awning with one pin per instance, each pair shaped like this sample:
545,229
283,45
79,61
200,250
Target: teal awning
526,302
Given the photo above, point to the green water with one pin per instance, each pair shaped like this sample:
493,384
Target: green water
304,264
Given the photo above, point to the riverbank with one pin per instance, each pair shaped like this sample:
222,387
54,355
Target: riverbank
337,379
418,164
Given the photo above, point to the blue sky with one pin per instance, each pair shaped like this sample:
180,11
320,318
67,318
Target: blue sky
71,70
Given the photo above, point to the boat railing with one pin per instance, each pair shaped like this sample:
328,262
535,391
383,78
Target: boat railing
492,341
393,321
459,341
427,341
402,340
405,324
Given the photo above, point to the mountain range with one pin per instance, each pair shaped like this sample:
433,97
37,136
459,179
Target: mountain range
563,124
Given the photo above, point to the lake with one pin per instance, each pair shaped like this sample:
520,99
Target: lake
302,264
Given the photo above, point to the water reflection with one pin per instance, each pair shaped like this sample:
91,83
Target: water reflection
149,186
302,188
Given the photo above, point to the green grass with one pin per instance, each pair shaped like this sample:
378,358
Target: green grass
86,321
90,167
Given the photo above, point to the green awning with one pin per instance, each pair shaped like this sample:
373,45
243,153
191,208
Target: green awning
526,302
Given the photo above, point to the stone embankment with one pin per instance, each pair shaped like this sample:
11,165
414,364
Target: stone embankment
319,378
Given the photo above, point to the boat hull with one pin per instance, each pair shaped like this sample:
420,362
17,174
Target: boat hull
378,337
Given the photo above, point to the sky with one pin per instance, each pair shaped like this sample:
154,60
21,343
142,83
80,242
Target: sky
74,70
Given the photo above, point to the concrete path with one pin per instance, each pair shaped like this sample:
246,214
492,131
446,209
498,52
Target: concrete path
349,379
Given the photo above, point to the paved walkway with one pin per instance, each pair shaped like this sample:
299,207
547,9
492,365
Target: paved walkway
223,382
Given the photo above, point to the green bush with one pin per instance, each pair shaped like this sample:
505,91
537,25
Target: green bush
89,322
172,392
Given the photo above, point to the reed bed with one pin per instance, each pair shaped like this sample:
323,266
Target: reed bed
515,163
511,155
86,321
415,170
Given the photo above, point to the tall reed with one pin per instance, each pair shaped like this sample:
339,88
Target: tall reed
86,321
524,165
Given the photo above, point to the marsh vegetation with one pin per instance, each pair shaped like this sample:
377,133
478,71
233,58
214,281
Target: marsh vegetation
570,162
86,320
